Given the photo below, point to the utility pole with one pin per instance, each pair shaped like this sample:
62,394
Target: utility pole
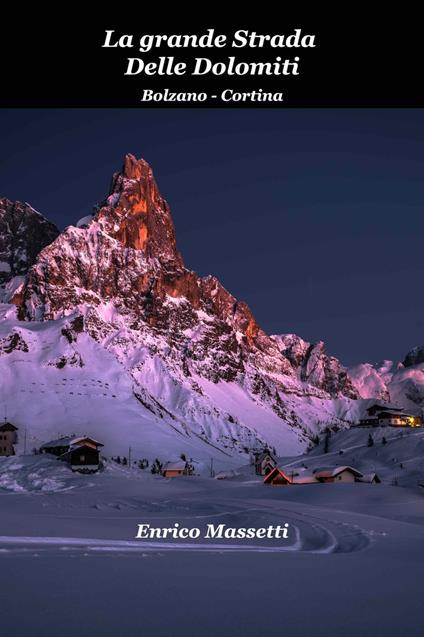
25,440
212,471
129,457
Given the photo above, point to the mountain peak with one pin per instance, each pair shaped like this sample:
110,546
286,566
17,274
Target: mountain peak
24,232
134,168
137,215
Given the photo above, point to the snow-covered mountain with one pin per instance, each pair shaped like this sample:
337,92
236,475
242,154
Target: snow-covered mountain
110,333
400,383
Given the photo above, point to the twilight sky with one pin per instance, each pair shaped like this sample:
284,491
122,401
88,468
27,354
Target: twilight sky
313,217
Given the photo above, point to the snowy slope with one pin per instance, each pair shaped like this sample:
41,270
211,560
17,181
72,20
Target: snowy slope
397,456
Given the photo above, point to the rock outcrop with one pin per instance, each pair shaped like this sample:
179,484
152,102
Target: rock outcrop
23,234
313,365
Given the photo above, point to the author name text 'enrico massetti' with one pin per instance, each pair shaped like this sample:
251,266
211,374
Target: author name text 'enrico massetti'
212,532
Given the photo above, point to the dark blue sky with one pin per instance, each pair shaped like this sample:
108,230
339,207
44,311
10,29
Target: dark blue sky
314,217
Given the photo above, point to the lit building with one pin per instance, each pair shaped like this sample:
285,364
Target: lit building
380,415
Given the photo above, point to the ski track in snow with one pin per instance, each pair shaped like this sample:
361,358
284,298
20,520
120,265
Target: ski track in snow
92,544
309,538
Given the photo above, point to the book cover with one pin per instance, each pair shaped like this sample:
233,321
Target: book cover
211,332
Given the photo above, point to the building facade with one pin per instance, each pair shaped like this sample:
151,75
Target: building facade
8,439
82,453
265,462
176,469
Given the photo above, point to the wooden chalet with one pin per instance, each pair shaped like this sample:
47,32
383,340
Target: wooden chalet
338,474
385,415
277,478
265,462
8,439
82,453
83,458
176,469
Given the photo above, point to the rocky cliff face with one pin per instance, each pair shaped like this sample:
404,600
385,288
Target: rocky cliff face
23,234
414,357
312,365
194,354
128,258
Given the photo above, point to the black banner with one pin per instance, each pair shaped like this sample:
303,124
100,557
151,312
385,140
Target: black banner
348,60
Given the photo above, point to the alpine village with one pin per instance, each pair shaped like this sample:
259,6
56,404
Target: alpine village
82,454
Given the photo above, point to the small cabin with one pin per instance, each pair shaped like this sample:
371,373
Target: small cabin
8,438
277,478
338,474
176,469
265,462
83,458
82,453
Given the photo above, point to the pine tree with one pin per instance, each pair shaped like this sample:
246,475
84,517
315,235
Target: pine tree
327,440
383,440
370,440
124,461
156,466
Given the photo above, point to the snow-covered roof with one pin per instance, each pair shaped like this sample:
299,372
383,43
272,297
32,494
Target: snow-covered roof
177,465
274,472
77,441
65,441
69,441
331,472
7,426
